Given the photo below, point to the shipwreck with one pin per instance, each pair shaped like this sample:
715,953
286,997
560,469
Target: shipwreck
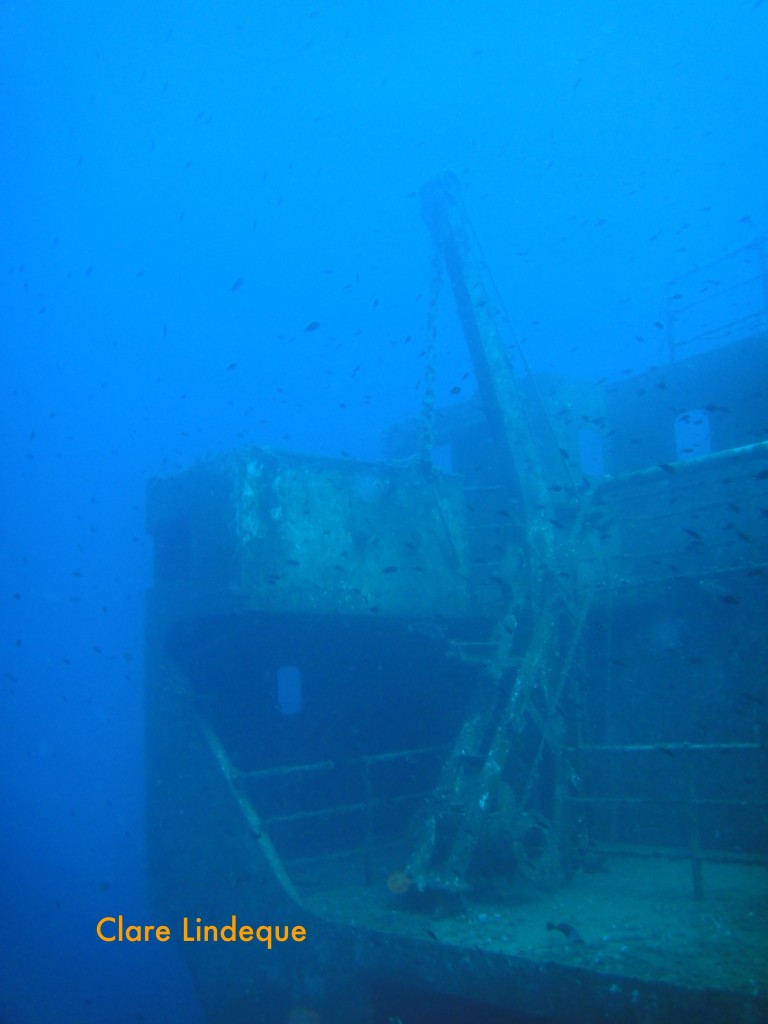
494,736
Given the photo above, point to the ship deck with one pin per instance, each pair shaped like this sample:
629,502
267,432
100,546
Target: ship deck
636,918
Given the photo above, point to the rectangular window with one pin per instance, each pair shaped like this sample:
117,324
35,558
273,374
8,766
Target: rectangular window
289,689
591,453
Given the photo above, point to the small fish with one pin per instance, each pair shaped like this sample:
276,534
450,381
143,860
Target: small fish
730,599
667,468
237,283
313,326
567,930
432,935
692,533
389,568
754,699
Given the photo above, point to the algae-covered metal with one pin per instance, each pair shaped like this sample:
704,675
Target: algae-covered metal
286,532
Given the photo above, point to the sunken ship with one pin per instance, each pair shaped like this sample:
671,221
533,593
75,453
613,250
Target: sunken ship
492,734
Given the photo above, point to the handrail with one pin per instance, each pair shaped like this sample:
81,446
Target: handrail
664,748
363,759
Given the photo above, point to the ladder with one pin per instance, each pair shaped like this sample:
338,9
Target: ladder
451,824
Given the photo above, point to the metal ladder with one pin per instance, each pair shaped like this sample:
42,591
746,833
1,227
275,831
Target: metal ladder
452,824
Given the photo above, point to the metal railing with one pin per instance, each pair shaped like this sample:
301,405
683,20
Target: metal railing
719,302
691,801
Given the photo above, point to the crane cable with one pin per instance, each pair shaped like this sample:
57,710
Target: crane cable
427,433
567,467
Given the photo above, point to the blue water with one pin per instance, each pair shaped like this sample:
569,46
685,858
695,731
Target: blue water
187,189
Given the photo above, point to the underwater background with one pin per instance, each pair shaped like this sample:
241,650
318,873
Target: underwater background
211,236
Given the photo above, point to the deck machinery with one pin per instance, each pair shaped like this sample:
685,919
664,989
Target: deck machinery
494,737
